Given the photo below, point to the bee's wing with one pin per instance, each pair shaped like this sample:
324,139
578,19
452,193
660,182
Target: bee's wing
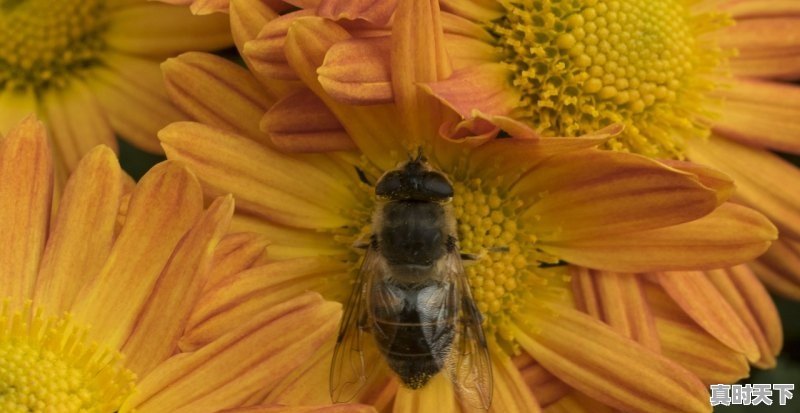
355,355
468,364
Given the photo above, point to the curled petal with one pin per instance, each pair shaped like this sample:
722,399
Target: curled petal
546,388
235,253
301,122
377,12
778,267
484,88
358,71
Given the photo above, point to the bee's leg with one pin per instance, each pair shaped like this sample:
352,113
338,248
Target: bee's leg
362,176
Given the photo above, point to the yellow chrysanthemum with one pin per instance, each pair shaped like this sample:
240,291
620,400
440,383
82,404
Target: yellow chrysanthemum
89,68
546,199
96,300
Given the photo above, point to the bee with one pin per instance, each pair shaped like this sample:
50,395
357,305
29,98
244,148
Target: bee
411,301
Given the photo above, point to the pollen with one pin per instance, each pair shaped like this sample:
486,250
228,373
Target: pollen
509,272
47,365
45,42
582,65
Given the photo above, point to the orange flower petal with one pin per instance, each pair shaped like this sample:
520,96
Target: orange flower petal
131,91
155,336
577,402
244,295
752,115
248,17
468,44
358,71
249,359
483,88
370,127
301,122
692,347
760,177
288,242
201,7
159,30
218,93
265,54
754,306
26,173
760,37
697,296
418,56
264,182
592,193
377,12
83,231
730,235
591,357
619,301
756,8
164,206
235,253
722,184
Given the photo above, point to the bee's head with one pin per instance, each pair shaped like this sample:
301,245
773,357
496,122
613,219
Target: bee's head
414,180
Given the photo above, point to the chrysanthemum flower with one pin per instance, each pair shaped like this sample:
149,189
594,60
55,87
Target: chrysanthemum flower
662,68
545,199
95,300
90,68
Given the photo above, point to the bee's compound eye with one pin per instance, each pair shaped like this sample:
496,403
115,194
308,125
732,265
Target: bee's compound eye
436,186
390,185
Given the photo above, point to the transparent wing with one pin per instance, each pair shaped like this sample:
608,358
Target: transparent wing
468,364
355,355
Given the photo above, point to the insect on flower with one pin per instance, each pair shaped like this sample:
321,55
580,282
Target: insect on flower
412,295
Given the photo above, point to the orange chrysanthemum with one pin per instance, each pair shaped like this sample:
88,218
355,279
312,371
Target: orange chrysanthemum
545,199
96,299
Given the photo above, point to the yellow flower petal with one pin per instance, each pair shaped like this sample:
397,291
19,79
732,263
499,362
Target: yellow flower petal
778,267
246,294
757,174
511,393
591,357
77,122
248,361
159,30
477,10
336,408
619,301
166,203
236,252
546,388
218,93
264,182
698,297
83,232
753,116
302,122
601,193
436,396
576,402
26,174
692,347
288,242
155,335
132,92
754,306
15,105
730,235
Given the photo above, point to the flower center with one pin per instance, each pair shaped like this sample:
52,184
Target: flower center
45,42
582,65
46,364
508,274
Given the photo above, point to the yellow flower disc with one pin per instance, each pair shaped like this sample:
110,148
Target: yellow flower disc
582,65
47,365
44,41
